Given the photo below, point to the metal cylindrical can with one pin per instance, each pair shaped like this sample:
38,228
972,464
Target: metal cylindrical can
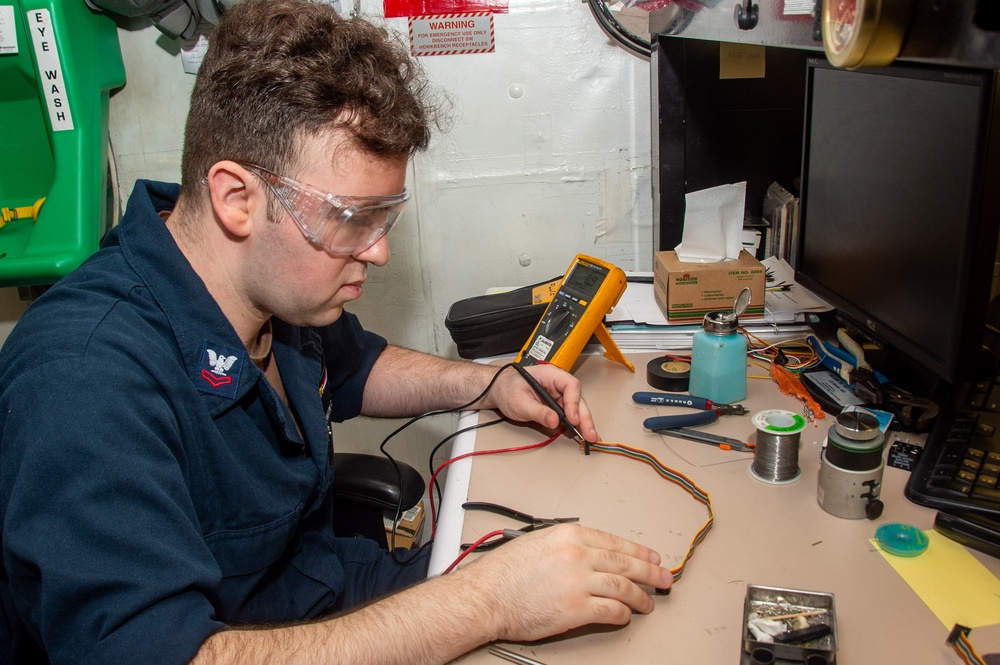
851,466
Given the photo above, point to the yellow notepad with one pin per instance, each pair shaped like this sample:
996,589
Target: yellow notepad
950,581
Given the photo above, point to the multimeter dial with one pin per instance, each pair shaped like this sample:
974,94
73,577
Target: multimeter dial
565,311
864,33
556,326
558,321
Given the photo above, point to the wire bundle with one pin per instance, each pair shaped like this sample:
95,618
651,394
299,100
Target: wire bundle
477,453
795,355
632,453
383,448
602,446
959,641
673,476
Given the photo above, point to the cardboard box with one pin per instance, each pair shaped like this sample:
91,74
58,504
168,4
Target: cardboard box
408,529
646,24
687,291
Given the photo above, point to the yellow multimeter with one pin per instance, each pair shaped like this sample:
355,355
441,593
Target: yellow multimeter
589,290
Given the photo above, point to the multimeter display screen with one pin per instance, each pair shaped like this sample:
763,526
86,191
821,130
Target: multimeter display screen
585,280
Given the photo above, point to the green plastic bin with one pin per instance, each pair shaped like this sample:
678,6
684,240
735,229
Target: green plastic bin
59,61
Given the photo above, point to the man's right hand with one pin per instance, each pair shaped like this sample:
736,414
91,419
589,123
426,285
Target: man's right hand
555,579
543,583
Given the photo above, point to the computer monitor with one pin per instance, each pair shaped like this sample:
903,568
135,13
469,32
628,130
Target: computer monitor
900,205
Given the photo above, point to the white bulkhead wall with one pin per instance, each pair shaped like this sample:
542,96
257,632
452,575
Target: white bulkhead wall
547,156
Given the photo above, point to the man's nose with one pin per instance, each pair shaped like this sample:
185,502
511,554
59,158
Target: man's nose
377,254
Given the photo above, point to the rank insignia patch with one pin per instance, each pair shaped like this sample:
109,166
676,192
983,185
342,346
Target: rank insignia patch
219,370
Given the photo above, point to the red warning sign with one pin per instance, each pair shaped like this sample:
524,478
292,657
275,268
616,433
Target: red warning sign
400,8
450,34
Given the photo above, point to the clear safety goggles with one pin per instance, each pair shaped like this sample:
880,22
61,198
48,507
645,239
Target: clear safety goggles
343,225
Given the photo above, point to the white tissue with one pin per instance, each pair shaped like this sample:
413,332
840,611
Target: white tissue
764,630
713,224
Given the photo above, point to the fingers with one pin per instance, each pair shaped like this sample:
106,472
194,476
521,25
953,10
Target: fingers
603,610
584,422
623,591
566,389
573,576
608,541
614,566
627,559
518,400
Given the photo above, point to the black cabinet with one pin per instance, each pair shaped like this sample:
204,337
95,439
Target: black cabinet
708,130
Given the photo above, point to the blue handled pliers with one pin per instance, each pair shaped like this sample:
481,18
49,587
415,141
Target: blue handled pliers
849,364
709,413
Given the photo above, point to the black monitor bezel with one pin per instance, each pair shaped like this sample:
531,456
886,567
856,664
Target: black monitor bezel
973,288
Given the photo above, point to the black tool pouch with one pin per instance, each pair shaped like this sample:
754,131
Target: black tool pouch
499,323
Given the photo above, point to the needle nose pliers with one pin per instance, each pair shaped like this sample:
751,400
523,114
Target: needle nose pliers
533,522
709,413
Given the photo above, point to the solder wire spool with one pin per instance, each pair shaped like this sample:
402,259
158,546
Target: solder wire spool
776,455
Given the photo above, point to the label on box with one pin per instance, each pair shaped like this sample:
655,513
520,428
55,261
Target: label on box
409,522
8,31
688,291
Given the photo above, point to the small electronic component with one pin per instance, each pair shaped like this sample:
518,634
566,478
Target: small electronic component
903,455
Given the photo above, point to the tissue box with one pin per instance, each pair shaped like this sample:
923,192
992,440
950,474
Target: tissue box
644,23
687,291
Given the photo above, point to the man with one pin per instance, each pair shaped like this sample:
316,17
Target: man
164,456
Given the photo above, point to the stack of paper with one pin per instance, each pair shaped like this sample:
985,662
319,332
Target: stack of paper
781,210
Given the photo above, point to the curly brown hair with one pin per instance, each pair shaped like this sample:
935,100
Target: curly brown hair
281,70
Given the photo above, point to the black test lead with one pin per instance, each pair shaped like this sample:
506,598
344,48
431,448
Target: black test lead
552,404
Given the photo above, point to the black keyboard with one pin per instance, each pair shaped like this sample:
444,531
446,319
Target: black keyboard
959,468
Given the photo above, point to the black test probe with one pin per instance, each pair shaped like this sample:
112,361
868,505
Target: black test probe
552,404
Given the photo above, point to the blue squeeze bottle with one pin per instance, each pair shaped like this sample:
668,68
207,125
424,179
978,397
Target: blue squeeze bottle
719,360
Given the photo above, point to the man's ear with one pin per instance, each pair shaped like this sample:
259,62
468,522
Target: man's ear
235,194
